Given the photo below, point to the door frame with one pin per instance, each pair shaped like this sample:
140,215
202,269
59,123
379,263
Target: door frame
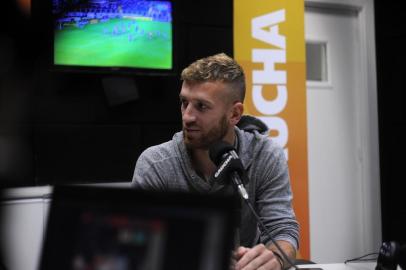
366,115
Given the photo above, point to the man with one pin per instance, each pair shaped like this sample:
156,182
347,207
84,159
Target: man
211,101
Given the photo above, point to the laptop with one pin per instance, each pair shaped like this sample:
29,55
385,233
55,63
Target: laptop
112,228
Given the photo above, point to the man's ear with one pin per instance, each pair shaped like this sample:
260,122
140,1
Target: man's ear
236,113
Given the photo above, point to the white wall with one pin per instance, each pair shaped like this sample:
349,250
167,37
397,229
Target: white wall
23,214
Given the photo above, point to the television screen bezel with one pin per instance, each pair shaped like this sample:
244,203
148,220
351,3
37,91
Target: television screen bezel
42,11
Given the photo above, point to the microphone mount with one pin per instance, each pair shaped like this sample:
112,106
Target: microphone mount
229,164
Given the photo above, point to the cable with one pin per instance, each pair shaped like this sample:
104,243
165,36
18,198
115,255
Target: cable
268,234
362,258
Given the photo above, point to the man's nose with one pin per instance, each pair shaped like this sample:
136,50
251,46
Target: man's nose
188,114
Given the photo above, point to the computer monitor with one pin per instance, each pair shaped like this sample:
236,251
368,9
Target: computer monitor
122,228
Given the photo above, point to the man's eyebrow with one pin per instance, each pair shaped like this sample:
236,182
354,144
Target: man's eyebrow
204,101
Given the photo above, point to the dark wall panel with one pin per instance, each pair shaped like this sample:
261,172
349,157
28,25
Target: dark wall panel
73,131
390,44
83,154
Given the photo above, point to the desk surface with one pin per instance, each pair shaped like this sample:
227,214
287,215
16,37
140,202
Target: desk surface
342,266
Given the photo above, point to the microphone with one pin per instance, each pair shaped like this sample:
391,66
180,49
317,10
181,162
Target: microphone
225,157
229,164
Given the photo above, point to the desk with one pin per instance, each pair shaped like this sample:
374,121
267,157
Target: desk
342,266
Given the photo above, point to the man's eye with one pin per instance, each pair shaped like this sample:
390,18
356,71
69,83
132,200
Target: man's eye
202,106
183,103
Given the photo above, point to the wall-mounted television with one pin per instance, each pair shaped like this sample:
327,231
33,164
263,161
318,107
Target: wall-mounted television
113,35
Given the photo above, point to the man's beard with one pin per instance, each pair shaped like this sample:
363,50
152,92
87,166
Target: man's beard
215,134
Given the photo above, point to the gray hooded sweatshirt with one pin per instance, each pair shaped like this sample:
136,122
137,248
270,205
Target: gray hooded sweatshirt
168,167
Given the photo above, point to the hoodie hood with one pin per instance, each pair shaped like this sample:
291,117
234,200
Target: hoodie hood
250,123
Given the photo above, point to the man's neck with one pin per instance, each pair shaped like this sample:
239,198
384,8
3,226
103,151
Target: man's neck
201,161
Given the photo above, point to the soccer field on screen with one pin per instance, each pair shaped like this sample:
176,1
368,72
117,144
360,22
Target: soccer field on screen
115,43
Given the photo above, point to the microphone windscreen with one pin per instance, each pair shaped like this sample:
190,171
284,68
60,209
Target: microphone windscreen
217,150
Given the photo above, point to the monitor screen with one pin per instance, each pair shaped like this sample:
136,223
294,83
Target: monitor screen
113,34
117,228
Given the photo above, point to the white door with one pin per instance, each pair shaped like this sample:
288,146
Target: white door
337,196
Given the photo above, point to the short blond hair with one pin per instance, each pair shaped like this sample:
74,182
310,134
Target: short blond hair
218,67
